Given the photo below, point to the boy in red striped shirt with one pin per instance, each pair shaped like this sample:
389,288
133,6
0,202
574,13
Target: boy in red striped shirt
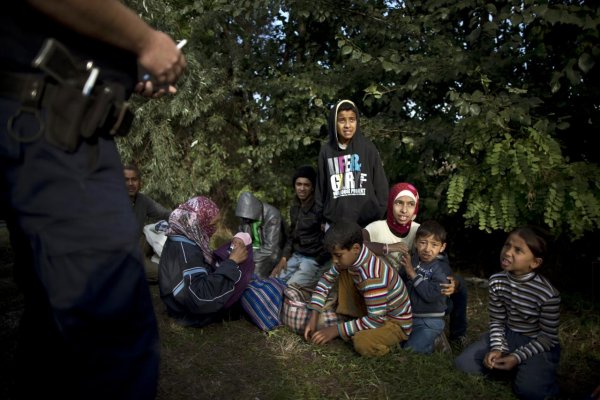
369,290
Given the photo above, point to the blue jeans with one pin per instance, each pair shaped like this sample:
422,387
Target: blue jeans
423,335
301,270
534,378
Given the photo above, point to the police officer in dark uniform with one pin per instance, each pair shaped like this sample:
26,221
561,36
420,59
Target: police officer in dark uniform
67,68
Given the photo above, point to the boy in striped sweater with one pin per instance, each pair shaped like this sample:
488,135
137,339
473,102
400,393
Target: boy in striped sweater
524,318
369,290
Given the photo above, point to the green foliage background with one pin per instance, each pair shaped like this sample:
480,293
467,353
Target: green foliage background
489,107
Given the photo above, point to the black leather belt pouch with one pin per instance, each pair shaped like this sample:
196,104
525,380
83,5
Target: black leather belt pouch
99,111
115,117
73,116
66,113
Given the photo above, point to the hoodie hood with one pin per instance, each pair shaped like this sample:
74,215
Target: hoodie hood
249,207
332,122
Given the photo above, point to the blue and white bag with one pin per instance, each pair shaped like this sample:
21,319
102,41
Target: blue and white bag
262,301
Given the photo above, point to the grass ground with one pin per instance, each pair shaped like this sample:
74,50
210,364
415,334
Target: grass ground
235,360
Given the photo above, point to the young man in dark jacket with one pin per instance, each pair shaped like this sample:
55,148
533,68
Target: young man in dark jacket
351,182
303,254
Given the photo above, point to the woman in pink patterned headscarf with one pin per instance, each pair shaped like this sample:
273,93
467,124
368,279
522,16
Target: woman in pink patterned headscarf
194,287
197,220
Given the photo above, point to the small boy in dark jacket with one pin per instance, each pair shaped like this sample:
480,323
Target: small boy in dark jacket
423,274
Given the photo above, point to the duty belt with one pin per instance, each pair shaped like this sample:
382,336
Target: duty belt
32,92
21,87
71,115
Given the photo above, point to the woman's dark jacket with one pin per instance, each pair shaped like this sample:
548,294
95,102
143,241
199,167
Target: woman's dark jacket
194,291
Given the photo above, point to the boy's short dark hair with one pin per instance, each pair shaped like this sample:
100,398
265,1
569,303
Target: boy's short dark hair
432,228
343,234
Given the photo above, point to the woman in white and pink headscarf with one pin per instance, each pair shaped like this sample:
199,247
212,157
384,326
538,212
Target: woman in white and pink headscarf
390,237
395,235
197,284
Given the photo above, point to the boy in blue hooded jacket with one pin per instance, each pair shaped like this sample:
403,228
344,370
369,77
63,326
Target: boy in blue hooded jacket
423,273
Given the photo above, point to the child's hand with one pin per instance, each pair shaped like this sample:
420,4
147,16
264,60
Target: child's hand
325,335
491,357
449,288
311,325
406,262
506,363
239,254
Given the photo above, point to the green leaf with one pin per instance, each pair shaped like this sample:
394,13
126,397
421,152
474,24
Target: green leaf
387,66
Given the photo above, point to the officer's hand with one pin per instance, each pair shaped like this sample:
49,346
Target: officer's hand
147,89
161,59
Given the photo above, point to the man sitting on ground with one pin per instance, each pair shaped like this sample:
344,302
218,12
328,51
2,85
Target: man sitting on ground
264,224
146,210
303,254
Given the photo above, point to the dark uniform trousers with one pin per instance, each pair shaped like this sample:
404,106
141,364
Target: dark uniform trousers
88,330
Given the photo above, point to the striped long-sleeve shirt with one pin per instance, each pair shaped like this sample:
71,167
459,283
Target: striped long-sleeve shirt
382,288
526,304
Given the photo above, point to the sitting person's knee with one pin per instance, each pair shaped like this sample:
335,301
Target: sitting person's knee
367,348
